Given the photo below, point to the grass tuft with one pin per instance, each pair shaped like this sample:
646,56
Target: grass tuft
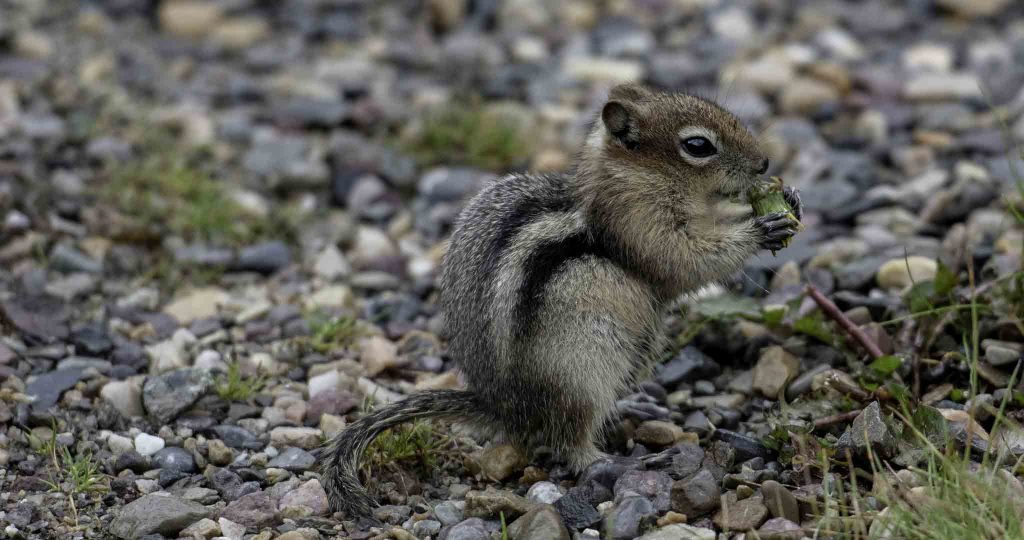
168,189
957,502
82,472
417,446
484,137
165,192
234,386
334,332
73,475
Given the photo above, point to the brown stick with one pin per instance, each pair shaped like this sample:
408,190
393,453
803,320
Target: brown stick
840,418
833,312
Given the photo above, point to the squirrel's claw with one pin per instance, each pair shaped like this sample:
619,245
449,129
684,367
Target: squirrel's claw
792,197
776,229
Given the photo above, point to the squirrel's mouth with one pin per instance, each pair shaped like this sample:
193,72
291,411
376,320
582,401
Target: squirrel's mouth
733,193
736,189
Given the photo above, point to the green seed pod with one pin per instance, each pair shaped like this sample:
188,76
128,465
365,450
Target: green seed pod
766,198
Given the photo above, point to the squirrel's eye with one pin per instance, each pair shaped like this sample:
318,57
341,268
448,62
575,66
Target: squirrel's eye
699,147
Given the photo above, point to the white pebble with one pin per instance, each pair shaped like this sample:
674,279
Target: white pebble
147,444
544,493
328,380
210,360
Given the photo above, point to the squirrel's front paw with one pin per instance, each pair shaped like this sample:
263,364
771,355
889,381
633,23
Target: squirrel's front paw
792,197
776,229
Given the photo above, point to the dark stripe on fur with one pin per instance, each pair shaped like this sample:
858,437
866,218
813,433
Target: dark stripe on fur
482,236
525,211
339,462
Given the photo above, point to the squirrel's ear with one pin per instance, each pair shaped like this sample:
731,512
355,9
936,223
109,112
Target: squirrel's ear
629,92
620,121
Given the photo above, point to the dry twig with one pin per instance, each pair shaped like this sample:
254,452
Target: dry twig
834,313
835,419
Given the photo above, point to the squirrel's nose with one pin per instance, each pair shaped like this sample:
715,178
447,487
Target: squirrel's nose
764,166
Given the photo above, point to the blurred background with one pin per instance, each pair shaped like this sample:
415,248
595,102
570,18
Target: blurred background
250,199
154,136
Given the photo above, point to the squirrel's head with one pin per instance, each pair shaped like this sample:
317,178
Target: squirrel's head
675,143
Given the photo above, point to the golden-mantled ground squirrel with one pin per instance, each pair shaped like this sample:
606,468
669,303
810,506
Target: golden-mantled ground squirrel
554,286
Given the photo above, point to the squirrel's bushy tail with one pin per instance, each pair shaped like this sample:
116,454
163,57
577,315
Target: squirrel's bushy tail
339,461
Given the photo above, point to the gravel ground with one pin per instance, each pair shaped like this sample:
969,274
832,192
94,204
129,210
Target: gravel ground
221,224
